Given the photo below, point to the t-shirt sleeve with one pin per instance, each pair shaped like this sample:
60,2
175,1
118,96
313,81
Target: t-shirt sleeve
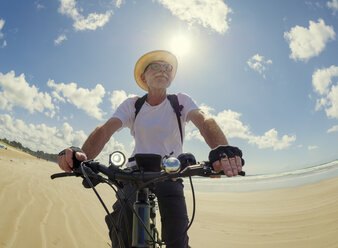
126,112
188,104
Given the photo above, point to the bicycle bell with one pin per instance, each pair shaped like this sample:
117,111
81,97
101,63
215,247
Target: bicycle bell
171,165
117,159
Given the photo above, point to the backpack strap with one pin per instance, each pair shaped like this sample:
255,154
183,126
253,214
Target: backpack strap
139,103
173,99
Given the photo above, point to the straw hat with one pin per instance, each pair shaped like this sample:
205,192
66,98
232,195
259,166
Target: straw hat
146,59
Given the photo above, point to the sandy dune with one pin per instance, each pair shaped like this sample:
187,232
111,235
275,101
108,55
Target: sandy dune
38,212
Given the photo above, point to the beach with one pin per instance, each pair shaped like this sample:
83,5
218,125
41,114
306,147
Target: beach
36,211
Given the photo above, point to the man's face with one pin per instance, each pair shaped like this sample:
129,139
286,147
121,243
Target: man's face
158,75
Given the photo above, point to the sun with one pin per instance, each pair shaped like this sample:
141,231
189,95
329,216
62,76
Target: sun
180,45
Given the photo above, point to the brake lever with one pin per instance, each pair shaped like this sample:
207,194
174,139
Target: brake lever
64,174
211,171
76,172
241,173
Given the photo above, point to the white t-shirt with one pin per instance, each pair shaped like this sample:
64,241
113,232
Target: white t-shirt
155,129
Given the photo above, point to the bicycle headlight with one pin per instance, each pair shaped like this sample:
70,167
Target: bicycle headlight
117,158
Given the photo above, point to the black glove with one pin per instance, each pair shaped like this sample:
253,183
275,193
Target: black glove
225,152
74,149
77,163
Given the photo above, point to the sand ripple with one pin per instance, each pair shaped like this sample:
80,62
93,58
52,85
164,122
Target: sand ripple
38,212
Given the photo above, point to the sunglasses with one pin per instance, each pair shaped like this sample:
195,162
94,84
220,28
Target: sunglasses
157,66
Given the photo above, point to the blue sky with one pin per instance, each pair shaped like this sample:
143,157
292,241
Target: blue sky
267,71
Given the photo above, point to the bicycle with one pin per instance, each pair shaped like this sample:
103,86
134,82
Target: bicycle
149,170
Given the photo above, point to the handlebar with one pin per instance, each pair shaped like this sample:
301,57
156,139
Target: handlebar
92,168
139,178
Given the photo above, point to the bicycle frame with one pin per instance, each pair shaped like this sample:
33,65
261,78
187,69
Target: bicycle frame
144,232
145,207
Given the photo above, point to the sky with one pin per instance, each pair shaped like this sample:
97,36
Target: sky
267,71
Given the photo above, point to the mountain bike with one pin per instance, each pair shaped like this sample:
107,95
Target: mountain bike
149,170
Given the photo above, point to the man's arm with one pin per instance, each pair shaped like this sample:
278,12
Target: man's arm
92,146
208,128
214,137
100,136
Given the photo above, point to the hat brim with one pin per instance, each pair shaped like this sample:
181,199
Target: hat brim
146,59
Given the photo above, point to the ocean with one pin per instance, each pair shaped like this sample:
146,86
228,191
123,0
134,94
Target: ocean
265,182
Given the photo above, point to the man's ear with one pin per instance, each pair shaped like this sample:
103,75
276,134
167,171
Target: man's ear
143,77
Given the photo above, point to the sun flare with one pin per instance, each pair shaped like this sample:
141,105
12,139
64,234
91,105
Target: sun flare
180,45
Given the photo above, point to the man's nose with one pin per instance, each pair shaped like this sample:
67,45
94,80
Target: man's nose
162,68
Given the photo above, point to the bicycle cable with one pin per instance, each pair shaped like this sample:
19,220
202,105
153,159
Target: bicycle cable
133,210
127,224
193,213
193,196
103,204
193,205
128,204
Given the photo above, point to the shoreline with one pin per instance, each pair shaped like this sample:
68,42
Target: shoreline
253,183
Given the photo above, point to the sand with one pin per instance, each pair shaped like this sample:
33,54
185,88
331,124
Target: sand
36,211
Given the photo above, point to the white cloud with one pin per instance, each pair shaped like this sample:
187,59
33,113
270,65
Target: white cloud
312,147
332,109
309,42
60,39
314,5
118,3
87,100
328,91
40,137
232,127
333,5
270,140
333,129
91,22
49,139
117,97
322,79
39,5
4,44
57,97
208,13
2,24
229,122
16,91
259,63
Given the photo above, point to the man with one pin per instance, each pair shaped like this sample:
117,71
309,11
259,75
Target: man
156,130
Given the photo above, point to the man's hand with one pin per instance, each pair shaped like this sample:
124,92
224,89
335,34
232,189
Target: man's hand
230,166
65,159
226,158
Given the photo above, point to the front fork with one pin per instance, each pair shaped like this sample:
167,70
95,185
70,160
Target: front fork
145,207
153,229
142,209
